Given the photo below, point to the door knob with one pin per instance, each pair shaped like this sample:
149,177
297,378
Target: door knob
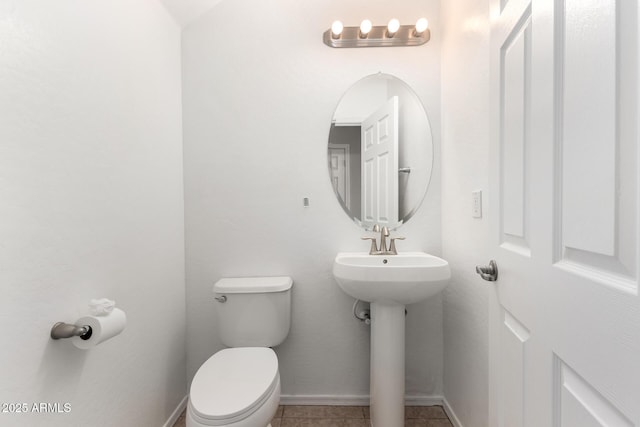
488,272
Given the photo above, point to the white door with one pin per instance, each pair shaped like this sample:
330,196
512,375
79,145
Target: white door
565,320
339,171
379,169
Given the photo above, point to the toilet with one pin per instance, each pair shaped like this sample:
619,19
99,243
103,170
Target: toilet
239,386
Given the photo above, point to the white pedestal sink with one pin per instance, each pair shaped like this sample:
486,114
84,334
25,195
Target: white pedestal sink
389,282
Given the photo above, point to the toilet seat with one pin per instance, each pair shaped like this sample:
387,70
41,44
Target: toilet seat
233,383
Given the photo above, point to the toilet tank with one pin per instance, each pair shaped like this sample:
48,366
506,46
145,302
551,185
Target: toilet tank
256,311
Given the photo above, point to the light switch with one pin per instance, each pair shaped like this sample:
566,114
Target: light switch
476,204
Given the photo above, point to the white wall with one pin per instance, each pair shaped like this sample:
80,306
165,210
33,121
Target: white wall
465,141
257,111
91,206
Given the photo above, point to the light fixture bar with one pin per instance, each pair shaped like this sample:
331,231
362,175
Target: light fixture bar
377,37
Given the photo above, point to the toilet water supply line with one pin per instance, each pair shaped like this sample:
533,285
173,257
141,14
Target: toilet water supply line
363,316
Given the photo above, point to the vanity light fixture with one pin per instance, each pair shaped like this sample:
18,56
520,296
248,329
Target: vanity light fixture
369,35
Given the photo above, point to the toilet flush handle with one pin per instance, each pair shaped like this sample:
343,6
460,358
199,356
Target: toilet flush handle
222,298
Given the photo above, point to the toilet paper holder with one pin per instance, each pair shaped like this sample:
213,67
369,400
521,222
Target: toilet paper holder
67,330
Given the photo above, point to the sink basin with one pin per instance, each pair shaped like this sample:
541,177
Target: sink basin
406,278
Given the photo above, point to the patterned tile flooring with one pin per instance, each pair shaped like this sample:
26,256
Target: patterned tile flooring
347,416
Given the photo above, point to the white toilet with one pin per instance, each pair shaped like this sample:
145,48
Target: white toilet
240,386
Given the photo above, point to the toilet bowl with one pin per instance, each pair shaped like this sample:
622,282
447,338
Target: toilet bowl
240,386
237,387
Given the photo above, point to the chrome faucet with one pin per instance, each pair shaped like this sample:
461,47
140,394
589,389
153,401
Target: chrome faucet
383,249
384,233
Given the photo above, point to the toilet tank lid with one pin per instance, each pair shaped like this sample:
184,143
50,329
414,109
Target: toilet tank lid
248,285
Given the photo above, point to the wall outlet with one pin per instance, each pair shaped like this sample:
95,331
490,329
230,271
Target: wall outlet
476,204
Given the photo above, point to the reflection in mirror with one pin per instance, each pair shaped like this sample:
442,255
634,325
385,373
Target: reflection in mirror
380,152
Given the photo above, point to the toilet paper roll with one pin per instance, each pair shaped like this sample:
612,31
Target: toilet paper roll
102,328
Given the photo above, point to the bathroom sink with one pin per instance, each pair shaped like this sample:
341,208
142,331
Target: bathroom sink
389,282
406,278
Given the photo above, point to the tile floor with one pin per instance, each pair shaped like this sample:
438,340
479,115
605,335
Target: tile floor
347,416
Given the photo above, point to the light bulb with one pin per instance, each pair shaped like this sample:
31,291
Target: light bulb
336,29
421,25
365,27
392,27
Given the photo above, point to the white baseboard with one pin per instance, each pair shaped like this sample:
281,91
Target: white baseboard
353,400
341,400
176,413
324,399
423,400
452,415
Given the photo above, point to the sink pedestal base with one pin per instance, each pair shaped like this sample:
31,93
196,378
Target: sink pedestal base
387,365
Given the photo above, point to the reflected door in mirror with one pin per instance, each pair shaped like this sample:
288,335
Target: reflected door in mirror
379,141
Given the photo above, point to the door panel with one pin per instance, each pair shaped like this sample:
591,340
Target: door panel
596,153
384,163
515,124
369,214
513,350
579,404
587,41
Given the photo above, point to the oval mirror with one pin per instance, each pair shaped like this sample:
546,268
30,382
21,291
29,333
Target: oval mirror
380,152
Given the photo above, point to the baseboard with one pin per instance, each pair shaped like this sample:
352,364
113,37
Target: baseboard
352,400
176,413
423,400
324,399
341,400
452,415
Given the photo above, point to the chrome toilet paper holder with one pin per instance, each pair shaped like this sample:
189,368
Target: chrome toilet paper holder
67,330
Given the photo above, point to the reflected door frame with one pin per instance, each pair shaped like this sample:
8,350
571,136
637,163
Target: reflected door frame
341,154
